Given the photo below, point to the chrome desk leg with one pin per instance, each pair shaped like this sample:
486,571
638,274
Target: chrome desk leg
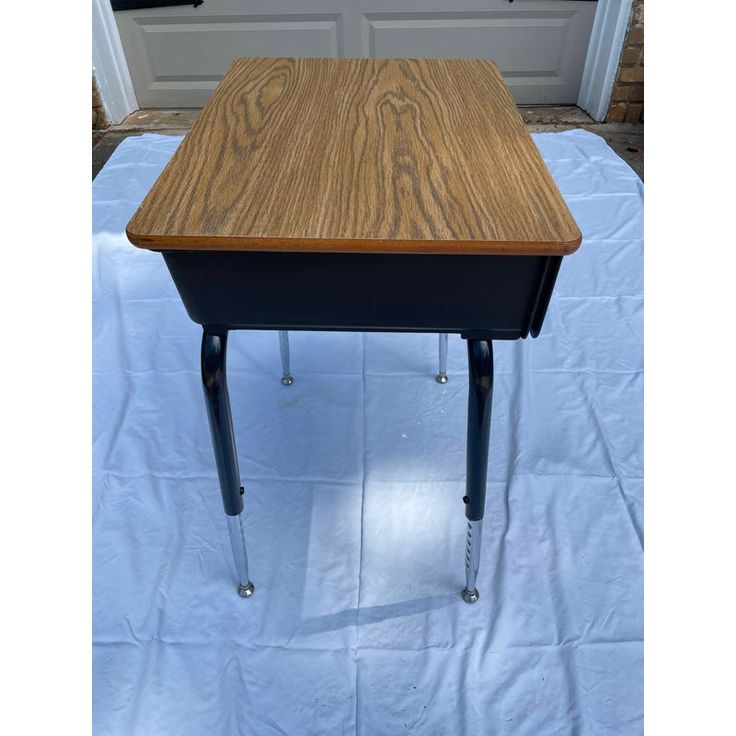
441,376
480,396
240,555
287,379
214,381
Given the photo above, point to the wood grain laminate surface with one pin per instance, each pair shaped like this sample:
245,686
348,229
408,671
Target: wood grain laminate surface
358,155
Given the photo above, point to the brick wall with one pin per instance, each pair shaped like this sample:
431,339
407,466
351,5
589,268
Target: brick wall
627,97
99,118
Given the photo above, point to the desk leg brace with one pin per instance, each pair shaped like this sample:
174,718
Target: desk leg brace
214,381
480,396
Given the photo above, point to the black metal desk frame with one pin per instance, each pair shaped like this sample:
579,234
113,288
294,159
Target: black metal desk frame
481,297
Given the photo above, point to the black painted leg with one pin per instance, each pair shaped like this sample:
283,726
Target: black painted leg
214,381
286,378
480,396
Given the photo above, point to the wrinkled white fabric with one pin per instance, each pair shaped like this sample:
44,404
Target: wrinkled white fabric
355,525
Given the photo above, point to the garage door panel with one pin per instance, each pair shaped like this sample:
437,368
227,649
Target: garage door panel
532,48
184,57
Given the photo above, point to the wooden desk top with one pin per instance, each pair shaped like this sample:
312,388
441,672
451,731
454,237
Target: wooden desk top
358,155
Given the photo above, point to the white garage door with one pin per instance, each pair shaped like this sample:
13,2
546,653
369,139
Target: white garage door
177,54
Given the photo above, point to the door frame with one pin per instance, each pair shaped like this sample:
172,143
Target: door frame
110,65
604,54
599,73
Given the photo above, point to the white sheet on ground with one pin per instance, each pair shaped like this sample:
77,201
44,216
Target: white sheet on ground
354,478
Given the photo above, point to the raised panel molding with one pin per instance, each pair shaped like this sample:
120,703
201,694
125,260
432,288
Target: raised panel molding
531,47
185,56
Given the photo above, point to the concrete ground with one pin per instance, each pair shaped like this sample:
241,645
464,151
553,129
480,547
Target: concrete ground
627,140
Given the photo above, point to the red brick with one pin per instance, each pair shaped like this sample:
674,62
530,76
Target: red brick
631,74
637,93
636,36
620,93
634,113
617,113
631,55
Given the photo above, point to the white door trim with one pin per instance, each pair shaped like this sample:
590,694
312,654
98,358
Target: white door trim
109,64
604,52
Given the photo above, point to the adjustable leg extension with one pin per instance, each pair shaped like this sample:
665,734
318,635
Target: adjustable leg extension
441,376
